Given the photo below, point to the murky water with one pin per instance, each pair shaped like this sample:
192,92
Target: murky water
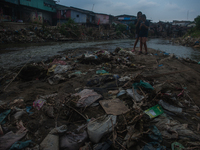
19,54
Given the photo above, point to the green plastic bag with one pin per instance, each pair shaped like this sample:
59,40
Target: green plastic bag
20,145
101,72
177,146
154,111
3,115
144,84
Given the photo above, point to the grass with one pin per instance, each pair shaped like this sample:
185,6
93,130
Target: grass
195,33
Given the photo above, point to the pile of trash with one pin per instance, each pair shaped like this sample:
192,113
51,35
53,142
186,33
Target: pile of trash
35,33
188,41
109,109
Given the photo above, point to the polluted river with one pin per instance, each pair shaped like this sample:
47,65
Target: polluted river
13,55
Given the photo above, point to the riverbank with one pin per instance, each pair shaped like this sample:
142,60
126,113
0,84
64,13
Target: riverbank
55,81
35,33
188,41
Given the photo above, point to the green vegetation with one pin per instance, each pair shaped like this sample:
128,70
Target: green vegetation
121,27
70,29
195,31
118,33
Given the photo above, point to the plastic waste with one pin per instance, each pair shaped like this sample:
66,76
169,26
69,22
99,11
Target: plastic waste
137,97
77,74
166,53
62,69
154,146
101,72
20,145
19,113
87,97
126,78
154,111
51,69
73,141
155,134
113,92
177,146
122,92
170,107
174,129
143,84
39,103
160,65
125,52
90,56
28,108
98,128
10,138
116,76
55,79
103,146
199,63
114,107
3,115
51,141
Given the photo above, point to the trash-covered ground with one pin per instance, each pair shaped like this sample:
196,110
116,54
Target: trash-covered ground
187,41
100,101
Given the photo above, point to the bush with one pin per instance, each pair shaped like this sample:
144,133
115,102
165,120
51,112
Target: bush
118,33
70,29
121,27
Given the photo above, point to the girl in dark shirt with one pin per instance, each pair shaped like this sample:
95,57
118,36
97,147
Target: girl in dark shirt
144,26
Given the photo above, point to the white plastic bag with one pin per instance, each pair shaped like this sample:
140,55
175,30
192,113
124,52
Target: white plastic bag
98,128
137,97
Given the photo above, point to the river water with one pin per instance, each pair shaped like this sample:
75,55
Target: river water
18,54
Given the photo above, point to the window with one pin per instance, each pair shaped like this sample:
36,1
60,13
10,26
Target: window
77,16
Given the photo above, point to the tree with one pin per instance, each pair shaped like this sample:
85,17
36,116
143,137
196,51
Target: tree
197,20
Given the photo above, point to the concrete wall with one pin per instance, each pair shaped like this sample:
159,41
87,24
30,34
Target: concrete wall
78,16
41,17
101,19
36,17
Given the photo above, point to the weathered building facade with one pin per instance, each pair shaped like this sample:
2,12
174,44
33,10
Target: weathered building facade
126,19
9,10
80,16
40,11
27,10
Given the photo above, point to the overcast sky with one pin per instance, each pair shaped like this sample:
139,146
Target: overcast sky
163,10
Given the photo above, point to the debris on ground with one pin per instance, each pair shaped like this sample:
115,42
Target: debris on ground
102,100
